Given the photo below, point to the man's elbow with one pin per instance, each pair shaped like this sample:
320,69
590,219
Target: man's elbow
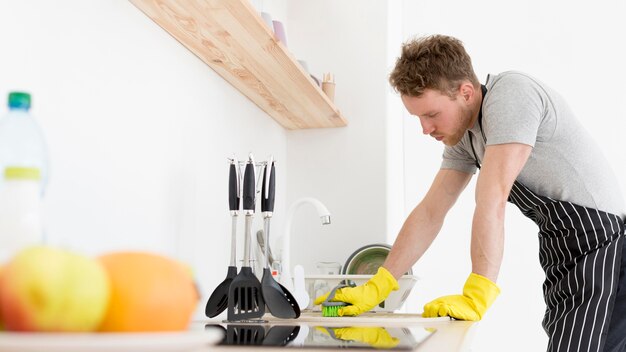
494,206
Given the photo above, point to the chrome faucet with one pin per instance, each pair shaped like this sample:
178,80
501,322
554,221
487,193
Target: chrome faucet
285,255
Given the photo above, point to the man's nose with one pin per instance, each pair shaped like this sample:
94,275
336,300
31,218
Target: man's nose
427,128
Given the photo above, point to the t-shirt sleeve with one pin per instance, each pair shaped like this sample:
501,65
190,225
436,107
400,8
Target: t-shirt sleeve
513,110
457,158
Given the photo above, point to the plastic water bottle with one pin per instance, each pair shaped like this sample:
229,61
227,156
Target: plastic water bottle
22,142
20,211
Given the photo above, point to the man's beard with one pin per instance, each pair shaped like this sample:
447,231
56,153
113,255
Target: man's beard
465,116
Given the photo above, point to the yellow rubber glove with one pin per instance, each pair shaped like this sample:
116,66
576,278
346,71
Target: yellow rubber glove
478,294
364,297
373,336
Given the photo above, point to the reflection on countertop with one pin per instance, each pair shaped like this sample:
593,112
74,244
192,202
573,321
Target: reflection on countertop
315,336
379,331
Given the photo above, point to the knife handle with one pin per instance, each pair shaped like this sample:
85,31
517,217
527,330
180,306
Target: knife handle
268,190
233,187
248,187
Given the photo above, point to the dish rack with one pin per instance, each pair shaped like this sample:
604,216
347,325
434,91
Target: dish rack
317,285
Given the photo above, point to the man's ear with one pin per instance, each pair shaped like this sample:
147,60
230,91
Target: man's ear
467,91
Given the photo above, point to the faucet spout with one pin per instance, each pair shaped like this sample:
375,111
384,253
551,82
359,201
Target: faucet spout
285,255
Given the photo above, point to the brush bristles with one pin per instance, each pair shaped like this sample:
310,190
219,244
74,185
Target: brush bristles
330,311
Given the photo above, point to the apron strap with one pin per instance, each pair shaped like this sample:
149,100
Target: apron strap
480,124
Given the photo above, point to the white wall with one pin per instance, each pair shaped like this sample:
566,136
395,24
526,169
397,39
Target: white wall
577,48
345,168
138,128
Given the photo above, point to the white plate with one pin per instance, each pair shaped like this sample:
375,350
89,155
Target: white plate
92,342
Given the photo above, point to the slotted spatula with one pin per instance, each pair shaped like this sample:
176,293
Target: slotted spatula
244,335
245,287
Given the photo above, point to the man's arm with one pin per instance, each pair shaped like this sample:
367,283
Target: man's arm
501,166
418,232
423,224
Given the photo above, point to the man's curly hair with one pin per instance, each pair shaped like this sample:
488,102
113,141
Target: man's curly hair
434,62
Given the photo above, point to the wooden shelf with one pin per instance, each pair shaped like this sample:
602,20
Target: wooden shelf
231,37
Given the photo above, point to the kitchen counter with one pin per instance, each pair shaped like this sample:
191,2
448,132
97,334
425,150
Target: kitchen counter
381,330
311,332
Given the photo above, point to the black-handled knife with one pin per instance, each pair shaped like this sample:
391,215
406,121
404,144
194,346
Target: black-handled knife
249,186
268,189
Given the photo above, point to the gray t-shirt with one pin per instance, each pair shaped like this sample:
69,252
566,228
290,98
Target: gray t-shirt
565,163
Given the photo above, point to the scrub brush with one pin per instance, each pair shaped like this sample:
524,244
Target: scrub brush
331,309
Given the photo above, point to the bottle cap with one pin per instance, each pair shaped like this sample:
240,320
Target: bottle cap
19,100
21,173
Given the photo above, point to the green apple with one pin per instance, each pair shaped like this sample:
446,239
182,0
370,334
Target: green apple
49,289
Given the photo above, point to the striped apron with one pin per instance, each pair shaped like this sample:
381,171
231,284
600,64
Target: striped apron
580,251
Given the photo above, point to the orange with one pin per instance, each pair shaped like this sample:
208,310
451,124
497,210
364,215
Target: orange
1,323
149,292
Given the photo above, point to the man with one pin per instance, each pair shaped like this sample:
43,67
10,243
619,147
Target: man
531,151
